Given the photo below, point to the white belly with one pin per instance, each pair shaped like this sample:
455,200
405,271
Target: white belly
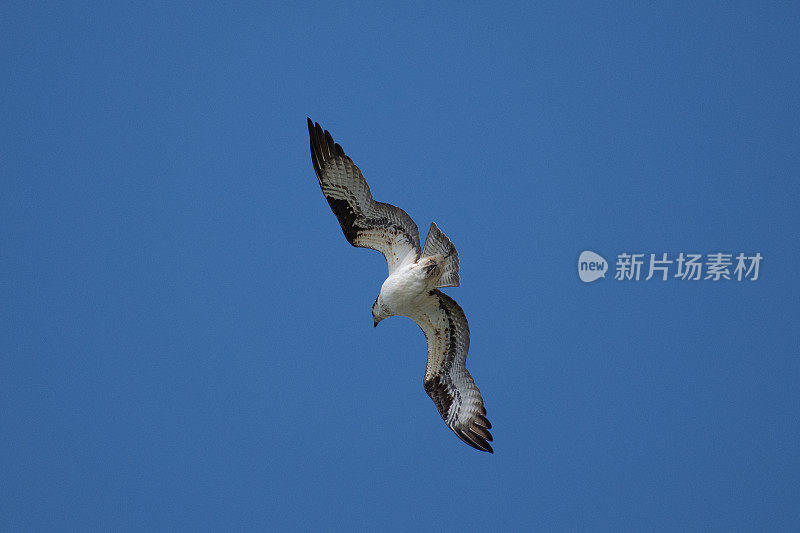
404,291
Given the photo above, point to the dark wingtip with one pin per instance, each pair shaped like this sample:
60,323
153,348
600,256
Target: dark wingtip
316,153
485,421
474,440
480,431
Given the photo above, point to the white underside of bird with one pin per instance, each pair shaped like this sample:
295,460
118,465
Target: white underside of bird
406,289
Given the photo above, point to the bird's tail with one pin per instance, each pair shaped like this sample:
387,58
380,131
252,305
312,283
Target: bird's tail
437,243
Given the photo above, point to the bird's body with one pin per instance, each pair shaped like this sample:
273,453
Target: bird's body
412,288
405,290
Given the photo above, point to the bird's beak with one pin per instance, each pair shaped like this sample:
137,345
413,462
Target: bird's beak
376,323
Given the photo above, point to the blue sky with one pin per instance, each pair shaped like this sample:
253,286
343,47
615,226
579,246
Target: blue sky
186,335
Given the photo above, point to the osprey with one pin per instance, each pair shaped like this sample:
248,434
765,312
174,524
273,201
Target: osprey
412,288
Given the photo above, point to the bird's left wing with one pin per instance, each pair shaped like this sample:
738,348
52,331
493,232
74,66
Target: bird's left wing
365,222
447,380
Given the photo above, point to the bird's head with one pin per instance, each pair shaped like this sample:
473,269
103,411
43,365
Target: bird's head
379,311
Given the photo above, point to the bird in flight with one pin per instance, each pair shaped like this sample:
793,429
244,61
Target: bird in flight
412,288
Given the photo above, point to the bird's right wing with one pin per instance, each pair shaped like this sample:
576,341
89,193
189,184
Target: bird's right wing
365,222
447,380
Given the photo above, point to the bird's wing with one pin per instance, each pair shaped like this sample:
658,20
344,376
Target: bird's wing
447,380
365,222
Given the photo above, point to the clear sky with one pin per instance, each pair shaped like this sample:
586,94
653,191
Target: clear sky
185,335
